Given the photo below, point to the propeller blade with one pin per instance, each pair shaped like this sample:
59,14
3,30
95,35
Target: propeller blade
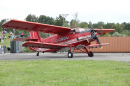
101,47
97,40
87,40
100,30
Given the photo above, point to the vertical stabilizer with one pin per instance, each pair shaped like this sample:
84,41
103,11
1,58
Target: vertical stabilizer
35,35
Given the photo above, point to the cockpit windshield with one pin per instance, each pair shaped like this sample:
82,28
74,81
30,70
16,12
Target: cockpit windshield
77,30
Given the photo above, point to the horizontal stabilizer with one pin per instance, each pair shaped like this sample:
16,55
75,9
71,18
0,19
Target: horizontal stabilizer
96,45
43,45
25,39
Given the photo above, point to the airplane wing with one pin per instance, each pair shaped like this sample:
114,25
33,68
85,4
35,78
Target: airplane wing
103,31
96,45
32,26
43,45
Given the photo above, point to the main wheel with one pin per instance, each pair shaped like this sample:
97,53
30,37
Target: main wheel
37,54
91,54
70,54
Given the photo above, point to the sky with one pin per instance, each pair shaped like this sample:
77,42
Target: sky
107,11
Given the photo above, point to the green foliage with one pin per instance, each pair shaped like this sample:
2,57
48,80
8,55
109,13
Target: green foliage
27,50
75,22
46,20
98,25
6,41
59,21
83,25
44,35
116,34
107,35
31,18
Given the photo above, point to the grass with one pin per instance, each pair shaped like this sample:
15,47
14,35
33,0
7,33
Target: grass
6,41
64,73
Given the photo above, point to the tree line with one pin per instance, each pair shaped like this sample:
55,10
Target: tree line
122,29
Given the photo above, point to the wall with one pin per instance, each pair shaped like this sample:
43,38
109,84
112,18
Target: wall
116,44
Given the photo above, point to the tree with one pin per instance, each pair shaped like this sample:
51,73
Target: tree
2,21
83,25
46,20
107,35
59,21
31,18
119,28
75,22
116,34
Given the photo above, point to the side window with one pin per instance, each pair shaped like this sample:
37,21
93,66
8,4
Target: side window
56,40
59,39
67,37
64,38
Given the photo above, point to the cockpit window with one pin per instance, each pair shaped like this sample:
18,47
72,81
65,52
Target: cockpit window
77,30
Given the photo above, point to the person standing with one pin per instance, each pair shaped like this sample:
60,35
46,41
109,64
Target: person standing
0,38
22,35
4,47
0,49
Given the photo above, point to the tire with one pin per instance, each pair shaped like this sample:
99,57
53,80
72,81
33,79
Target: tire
70,54
91,54
37,54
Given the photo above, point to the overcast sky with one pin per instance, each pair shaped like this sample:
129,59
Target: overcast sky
116,11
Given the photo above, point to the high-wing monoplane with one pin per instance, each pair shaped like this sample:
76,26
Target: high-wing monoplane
64,38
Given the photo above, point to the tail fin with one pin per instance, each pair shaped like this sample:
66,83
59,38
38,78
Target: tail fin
34,35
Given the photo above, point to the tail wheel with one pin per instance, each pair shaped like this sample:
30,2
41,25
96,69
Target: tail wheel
70,54
90,54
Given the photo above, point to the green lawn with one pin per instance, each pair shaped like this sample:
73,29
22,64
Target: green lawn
64,73
6,41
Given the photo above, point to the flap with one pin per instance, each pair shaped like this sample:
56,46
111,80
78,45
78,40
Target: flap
32,26
43,45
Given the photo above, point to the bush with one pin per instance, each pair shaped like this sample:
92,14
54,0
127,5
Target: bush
116,34
26,49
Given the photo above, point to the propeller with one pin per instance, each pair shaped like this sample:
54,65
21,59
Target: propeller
94,35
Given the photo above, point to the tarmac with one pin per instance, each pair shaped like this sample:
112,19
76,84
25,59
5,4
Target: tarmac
63,56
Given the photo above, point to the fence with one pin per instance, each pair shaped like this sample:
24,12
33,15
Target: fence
116,44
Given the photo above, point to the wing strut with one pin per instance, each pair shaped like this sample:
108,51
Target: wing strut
39,37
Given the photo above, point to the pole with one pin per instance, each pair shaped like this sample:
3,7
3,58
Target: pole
63,21
64,15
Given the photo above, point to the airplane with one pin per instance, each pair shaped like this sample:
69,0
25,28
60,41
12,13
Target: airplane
64,38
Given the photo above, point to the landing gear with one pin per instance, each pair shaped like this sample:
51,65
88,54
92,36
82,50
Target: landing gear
37,54
90,54
70,54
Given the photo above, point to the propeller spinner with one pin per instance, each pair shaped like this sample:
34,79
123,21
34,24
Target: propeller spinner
94,35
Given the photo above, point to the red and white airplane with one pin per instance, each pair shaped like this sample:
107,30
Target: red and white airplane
64,39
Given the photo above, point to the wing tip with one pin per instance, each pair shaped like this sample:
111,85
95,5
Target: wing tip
6,21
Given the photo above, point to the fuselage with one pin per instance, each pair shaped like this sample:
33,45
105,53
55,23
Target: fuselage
77,36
